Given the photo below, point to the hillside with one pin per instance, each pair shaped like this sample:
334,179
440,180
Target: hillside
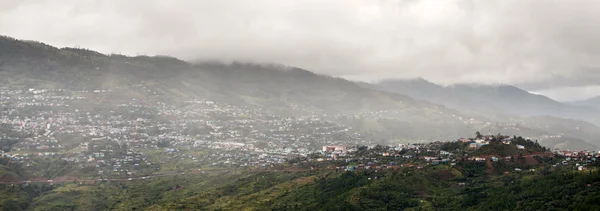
592,102
386,116
555,124
423,190
528,179
273,88
495,99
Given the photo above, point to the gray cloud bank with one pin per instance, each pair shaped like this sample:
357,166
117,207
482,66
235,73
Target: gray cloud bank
538,45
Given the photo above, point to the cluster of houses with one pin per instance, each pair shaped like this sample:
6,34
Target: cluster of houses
419,155
126,135
581,159
61,124
377,157
476,143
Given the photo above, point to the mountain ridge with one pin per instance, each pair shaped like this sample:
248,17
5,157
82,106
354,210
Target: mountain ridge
273,87
276,88
590,102
501,98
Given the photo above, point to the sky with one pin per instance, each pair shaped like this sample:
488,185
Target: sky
550,47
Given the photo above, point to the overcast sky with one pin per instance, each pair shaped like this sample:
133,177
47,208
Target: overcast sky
547,46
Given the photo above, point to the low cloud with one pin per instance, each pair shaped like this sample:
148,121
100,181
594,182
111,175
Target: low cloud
536,44
567,94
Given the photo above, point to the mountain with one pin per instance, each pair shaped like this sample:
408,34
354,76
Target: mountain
555,124
383,113
490,99
591,102
270,87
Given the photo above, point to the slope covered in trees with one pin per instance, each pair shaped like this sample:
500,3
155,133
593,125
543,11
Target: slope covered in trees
435,188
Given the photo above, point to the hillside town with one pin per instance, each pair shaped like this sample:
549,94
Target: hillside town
143,136
126,135
457,152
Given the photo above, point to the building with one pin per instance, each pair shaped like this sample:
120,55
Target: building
334,148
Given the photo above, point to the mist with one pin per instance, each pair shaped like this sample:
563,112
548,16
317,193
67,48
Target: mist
279,105
535,44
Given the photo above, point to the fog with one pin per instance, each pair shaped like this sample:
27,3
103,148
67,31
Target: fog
279,104
538,45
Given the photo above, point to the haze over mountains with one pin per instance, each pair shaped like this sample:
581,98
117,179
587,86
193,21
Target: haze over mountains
491,99
391,111
592,102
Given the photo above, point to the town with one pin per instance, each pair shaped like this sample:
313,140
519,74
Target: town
512,154
140,137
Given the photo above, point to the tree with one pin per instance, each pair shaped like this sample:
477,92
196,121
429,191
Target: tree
478,135
11,205
520,156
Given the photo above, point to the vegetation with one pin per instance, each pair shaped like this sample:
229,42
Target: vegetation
443,187
467,185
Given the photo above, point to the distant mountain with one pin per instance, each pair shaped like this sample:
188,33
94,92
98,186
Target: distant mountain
386,111
489,99
592,102
556,124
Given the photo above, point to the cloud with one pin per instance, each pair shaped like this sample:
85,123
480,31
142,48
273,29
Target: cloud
537,44
567,94
579,77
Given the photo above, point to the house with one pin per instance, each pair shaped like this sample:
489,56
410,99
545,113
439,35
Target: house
429,158
478,145
494,159
333,148
409,154
520,147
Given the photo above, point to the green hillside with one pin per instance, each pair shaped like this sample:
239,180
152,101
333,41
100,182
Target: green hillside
464,187
533,179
